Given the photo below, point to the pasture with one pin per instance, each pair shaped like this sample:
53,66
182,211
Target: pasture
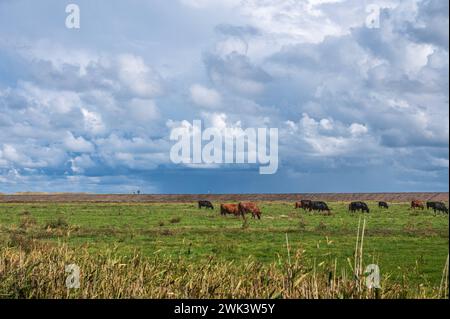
410,247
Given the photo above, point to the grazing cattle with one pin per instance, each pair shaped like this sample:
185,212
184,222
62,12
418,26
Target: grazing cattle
440,207
319,206
417,204
356,206
431,205
383,205
305,204
231,209
249,207
205,203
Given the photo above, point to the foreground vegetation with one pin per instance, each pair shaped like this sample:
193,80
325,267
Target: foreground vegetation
177,251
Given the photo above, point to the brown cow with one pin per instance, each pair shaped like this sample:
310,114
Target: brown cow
298,205
231,209
417,204
249,207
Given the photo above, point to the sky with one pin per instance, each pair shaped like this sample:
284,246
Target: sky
359,107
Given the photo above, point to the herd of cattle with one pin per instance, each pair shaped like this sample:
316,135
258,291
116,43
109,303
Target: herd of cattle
243,208
234,209
435,206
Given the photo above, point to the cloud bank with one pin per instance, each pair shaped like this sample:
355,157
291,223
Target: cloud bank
357,108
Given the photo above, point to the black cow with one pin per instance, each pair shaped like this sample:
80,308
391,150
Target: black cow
383,205
356,206
431,205
205,203
440,207
306,204
319,206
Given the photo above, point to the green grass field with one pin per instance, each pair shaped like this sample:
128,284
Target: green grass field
407,245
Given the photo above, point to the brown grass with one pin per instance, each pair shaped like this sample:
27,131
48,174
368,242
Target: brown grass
31,270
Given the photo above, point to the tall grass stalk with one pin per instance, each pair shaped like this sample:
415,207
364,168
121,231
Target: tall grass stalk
443,288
